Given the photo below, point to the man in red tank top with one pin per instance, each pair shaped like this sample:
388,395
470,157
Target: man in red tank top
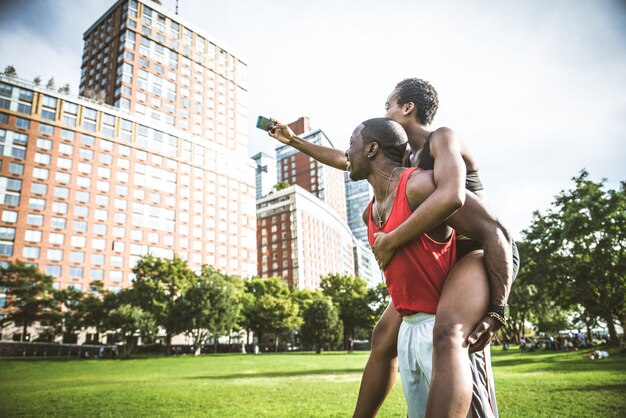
416,273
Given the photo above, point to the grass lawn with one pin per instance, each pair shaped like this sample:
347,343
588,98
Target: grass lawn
290,385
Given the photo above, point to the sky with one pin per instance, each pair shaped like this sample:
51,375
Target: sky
535,89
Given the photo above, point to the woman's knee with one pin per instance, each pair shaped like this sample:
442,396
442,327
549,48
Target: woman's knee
448,336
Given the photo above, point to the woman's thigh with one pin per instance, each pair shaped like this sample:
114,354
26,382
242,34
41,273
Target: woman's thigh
465,295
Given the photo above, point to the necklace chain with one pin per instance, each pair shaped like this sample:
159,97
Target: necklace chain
380,218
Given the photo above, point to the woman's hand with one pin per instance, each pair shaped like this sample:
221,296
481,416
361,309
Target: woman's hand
281,132
483,334
383,250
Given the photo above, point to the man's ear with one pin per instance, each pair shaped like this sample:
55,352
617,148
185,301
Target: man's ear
372,149
408,108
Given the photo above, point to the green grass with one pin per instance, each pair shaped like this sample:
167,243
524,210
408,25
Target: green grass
289,385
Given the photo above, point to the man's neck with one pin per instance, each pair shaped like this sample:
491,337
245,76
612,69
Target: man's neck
381,180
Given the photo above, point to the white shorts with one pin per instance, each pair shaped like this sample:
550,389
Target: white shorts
415,360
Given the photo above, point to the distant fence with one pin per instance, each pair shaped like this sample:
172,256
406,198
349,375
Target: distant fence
26,349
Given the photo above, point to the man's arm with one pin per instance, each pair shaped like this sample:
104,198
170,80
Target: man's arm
448,197
325,155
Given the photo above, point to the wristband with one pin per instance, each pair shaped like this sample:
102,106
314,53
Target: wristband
497,317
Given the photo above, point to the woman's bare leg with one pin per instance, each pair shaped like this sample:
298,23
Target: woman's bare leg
463,302
382,365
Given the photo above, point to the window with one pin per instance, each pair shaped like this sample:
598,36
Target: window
22,123
86,154
37,204
55,238
38,188
97,259
82,196
66,149
63,178
105,159
117,261
42,158
98,244
57,223
7,233
61,192
44,144
68,135
32,235
89,119
84,182
96,274
64,163
46,129
59,207
106,145
40,173
34,220
87,140
101,214
99,229
116,276
31,252
76,272
53,270
15,168
6,248
55,254
77,257
79,226
9,216
81,211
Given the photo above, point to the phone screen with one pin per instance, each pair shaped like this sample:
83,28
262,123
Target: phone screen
265,123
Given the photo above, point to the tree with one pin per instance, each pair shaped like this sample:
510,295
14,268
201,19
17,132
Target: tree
281,185
37,80
321,327
210,306
30,296
50,84
10,71
269,308
378,299
159,282
72,319
131,322
65,89
350,296
577,249
95,308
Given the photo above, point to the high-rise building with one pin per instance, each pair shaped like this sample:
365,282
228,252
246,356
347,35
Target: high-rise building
295,167
301,238
143,58
86,188
265,173
358,195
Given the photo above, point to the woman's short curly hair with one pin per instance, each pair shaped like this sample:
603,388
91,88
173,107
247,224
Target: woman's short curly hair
422,94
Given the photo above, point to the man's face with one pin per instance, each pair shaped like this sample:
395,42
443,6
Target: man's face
393,110
356,155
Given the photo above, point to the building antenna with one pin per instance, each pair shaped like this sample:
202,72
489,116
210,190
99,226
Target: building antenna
176,7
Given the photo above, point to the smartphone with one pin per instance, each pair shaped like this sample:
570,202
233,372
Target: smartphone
265,124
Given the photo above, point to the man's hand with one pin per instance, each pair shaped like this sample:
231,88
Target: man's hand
383,251
483,333
282,133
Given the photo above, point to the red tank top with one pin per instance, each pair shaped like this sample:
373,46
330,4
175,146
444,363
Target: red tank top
416,273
